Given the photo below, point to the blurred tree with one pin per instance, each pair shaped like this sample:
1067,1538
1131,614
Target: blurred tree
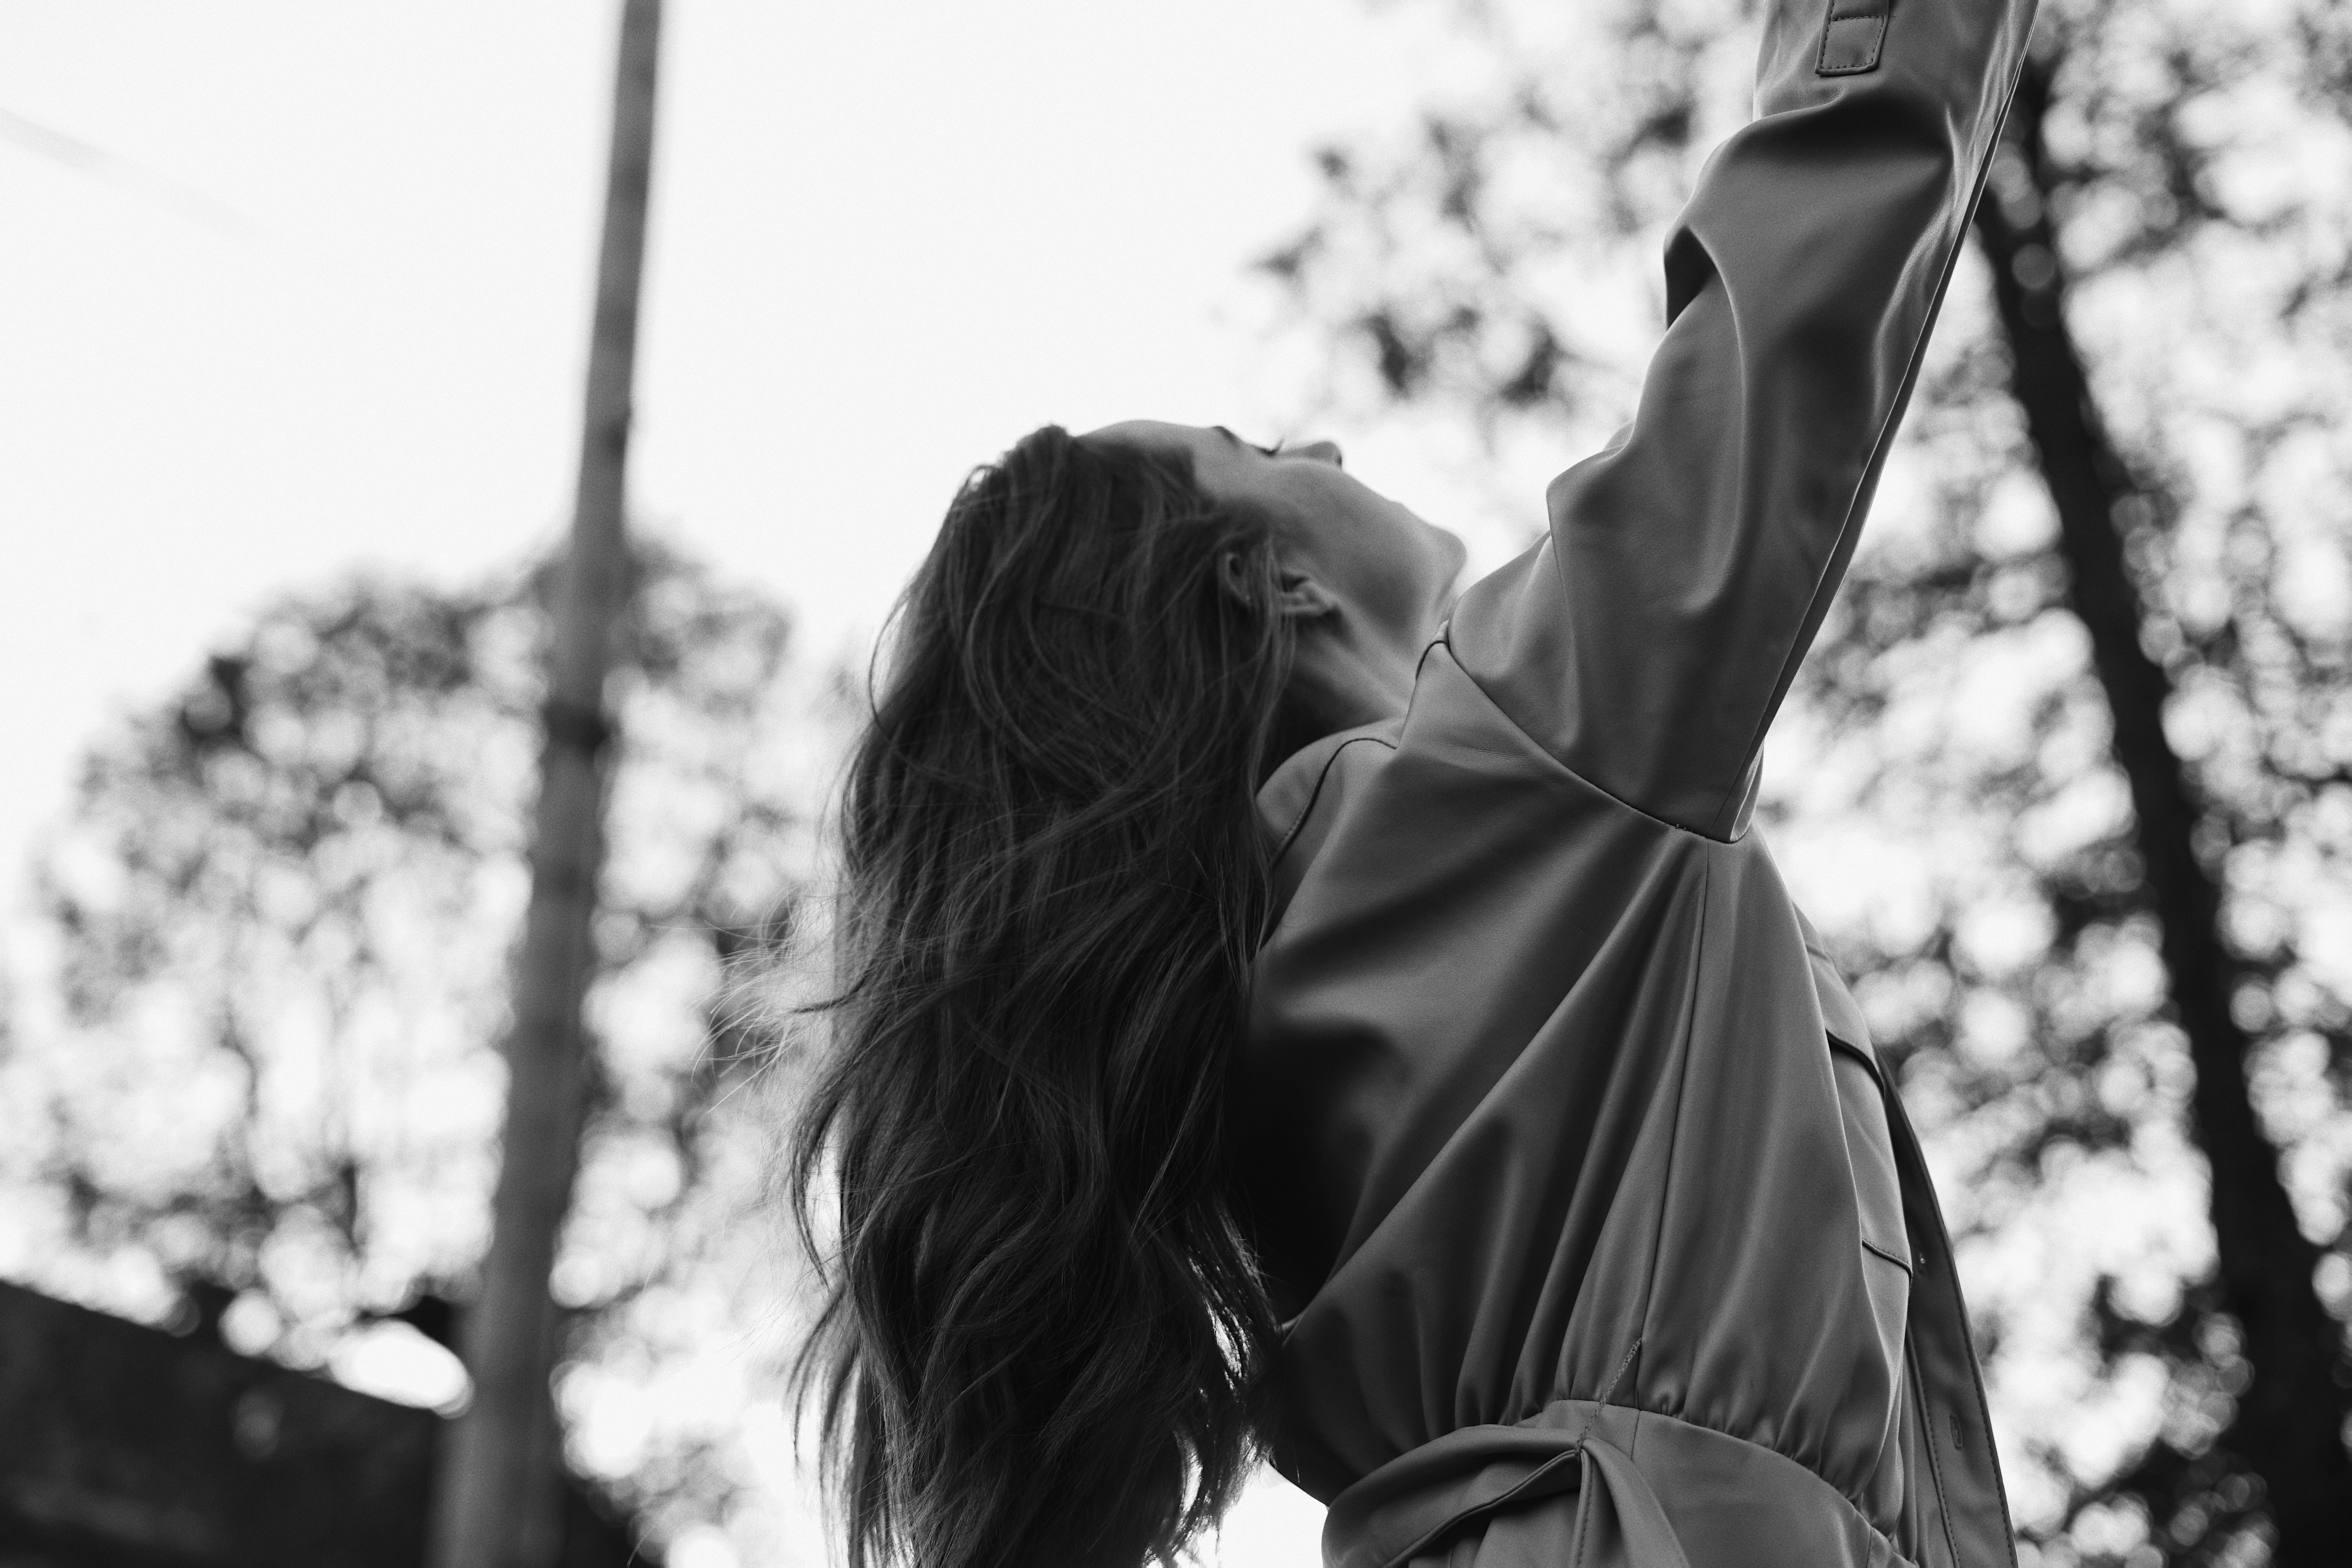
287,901
2075,753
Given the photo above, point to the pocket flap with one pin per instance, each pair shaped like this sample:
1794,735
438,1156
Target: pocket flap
1870,1149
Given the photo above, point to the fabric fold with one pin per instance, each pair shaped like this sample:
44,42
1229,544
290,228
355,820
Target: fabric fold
1587,1485
1412,1507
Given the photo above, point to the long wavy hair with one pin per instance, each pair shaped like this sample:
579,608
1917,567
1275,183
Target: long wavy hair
1044,1333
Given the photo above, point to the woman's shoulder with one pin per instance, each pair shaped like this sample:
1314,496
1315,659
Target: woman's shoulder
1290,792
1454,790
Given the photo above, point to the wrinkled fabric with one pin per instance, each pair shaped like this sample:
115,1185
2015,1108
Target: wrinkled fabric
1601,1232
1573,1469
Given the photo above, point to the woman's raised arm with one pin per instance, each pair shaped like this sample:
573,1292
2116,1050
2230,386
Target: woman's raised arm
1648,642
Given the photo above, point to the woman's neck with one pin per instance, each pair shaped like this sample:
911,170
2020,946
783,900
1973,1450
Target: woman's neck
1340,681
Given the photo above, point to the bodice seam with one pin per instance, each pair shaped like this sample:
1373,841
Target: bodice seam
1681,1418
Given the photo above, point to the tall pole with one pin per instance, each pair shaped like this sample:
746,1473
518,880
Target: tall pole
500,1497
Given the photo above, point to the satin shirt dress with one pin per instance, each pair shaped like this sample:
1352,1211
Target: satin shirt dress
1600,1234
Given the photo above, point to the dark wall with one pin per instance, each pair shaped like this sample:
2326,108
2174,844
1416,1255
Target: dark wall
125,1447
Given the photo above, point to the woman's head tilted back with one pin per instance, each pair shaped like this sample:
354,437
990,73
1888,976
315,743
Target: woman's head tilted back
1045,1326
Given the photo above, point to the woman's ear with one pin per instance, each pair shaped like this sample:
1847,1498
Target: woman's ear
1298,596
1302,598
1233,576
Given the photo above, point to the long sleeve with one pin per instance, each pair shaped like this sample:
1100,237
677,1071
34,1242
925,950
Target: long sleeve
1648,640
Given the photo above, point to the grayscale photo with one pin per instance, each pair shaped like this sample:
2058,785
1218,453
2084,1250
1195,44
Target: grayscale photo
1319,784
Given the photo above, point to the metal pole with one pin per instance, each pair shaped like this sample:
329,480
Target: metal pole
500,1497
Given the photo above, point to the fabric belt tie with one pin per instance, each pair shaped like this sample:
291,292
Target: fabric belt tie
1410,1506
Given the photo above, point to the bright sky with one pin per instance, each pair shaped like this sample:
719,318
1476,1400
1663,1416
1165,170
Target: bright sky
299,287
295,289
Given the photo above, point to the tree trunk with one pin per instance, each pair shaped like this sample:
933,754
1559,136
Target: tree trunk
2290,1420
498,1503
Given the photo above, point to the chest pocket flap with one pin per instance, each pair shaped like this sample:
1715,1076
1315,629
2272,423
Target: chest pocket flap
1870,1147
1870,1151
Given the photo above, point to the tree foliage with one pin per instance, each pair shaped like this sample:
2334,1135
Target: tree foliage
285,903
1948,787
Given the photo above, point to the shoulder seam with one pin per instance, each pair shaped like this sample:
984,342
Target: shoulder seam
1290,834
1548,754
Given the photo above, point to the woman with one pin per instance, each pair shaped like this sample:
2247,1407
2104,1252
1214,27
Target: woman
1283,1006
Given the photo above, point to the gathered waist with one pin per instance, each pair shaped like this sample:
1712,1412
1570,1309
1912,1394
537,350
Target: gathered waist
1589,1485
